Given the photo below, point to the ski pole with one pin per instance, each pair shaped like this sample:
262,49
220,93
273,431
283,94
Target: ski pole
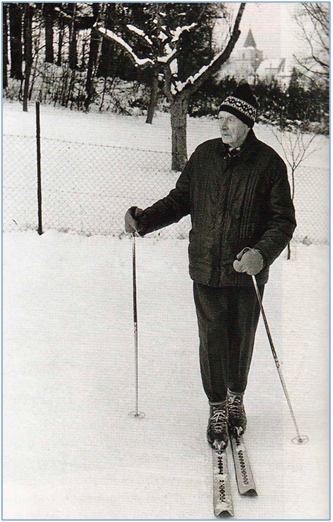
135,413
299,439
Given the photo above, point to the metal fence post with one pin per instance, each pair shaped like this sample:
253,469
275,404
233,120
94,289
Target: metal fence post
39,171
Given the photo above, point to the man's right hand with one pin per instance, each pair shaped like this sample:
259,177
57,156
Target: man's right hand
132,223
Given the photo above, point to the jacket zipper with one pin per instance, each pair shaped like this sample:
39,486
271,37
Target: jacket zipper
222,232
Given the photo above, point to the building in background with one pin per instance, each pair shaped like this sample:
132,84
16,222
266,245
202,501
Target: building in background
279,69
248,63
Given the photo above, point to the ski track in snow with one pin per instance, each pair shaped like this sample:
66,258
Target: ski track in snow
70,449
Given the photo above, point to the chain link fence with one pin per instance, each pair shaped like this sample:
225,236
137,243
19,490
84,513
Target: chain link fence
87,189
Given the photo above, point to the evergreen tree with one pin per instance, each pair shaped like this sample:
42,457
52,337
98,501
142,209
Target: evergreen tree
296,108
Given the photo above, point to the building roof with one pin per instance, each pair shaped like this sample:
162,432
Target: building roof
271,64
250,42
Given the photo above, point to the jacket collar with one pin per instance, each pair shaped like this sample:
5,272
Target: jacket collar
249,146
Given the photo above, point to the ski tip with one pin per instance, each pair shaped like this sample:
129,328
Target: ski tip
250,493
224,513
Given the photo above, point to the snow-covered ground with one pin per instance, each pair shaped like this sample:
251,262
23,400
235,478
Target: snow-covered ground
96,165
127,131
70,450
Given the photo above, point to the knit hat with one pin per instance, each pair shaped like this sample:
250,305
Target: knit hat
241,104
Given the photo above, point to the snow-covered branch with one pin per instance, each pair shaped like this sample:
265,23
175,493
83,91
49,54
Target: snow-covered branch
180,30
192,79
140,33
63,14
120,41
221,57
170,51
162,36
168,56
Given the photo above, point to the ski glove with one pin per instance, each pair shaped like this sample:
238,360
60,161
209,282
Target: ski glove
132,220
250,261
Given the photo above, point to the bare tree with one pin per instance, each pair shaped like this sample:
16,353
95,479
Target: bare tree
179,95
313,19
163,59
295,145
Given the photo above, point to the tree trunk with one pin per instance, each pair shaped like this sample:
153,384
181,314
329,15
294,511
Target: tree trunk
49,13
15,22
178,111
35,73
64,85
27,53
5,46
92,63
153,96
60,41
72,43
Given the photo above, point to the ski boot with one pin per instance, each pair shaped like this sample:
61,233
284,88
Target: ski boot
217,430
236,414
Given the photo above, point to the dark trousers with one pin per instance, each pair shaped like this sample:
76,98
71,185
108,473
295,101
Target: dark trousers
227,320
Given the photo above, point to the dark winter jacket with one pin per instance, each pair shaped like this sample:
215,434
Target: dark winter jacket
234,202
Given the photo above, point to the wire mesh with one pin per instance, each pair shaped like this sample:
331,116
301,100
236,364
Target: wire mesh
87,188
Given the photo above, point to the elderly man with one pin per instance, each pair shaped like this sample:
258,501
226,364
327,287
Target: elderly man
236,190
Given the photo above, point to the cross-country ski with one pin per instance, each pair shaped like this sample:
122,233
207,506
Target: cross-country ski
244,476
222,496
223,506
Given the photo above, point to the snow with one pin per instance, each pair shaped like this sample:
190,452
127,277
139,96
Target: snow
176,33
180,30
139,32
192,79
169,54
124,131
113,36
162,36
126,175
70,450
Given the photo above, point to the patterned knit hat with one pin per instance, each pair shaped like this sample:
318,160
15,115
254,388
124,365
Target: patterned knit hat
242,104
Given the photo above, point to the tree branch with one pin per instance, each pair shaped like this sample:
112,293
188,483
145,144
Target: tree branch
194,82
110,35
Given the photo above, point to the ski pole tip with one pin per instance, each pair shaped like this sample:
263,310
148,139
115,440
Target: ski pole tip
301,439
137,414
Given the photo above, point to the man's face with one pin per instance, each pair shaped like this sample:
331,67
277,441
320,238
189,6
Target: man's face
233,130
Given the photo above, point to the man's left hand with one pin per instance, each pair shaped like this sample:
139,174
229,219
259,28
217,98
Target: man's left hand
250,261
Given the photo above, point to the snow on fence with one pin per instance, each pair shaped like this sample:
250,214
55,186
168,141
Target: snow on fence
87,189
